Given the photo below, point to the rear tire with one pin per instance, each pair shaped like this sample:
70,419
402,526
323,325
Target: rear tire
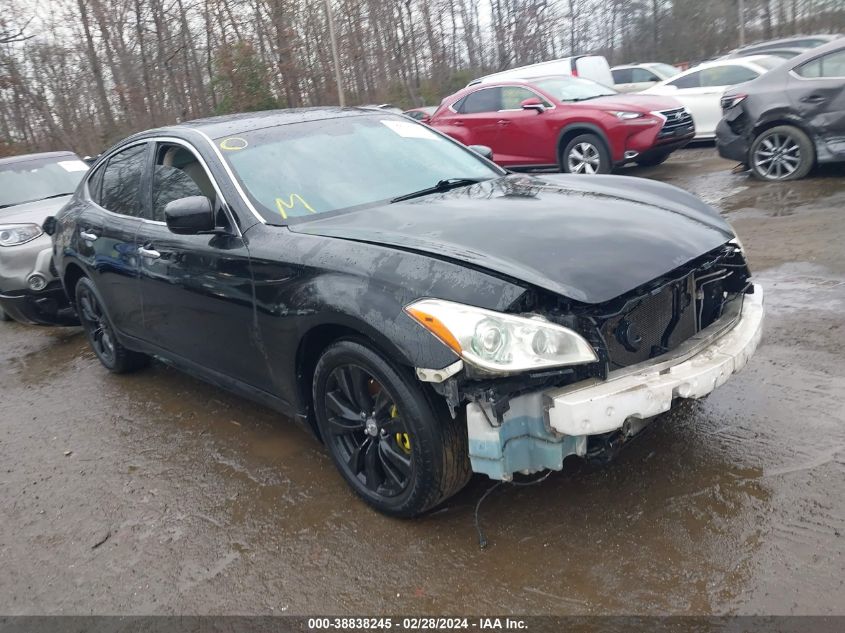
101,336
395,446
781,153
585,154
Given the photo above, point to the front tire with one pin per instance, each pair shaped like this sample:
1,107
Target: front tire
101,336
585,154
395,446
4,316
781,153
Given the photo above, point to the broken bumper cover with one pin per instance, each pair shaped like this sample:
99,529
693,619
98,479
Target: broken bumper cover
45,307
541,429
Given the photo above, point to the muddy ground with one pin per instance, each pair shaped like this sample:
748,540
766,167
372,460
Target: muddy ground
155,493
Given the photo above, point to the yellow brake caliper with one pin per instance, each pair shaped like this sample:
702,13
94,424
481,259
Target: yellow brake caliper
402,439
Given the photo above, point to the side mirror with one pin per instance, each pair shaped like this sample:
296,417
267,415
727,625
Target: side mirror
482,150
49,226
190,216
533,103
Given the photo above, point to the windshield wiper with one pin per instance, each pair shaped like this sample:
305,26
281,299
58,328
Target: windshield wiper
55,195
442,185
588,98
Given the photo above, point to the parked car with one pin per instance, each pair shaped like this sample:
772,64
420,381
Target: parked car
636,77
802,42
568,122
33,187
421,114
424,312
700,89
594,67
783,53
783,123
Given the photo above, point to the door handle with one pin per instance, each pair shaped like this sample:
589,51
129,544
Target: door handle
148,252
813,99
87,235
503,122
457,122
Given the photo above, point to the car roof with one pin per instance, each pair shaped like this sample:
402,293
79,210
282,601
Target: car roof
748,59
637,65
227,124
783,41
38,156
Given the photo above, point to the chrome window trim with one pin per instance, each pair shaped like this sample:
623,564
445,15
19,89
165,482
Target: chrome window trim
528,88
173,141
232,178
102,163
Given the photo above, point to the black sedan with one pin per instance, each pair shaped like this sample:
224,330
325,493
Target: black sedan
424,312
783,123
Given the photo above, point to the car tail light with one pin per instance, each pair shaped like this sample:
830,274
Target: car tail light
729,101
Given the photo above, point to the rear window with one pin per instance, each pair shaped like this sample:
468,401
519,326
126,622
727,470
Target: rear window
769,63
666,70
830,65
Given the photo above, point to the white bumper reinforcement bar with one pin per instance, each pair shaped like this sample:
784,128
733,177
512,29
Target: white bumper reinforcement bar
647,390
542,428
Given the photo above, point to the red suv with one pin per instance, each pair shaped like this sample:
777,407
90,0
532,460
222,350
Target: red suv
571,122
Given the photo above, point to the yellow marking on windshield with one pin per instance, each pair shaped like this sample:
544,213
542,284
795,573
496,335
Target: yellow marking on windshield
233,143
282,206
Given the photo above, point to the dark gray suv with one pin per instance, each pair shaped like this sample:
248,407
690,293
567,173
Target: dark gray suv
783,123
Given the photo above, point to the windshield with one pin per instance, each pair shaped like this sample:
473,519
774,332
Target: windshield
666,70
567,88
39,178
302,169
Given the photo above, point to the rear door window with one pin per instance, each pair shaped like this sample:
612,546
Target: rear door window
727,75
641,75
622,75
830,65
485,100
120,191
693,80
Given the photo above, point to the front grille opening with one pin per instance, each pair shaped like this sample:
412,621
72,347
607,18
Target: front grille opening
659,319
678,121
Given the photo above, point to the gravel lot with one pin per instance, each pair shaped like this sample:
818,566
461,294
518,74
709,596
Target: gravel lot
155,493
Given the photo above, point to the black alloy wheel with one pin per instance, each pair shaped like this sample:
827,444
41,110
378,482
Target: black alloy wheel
92,315
782,153
393,440
368,431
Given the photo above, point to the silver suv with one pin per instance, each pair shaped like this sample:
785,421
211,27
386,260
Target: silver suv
33,187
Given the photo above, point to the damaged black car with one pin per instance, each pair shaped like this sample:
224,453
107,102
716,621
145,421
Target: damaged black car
425,313
784,123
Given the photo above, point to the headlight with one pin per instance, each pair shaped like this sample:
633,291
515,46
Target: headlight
501,343
626,116
14,234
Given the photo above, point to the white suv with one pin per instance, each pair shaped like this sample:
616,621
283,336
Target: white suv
636,77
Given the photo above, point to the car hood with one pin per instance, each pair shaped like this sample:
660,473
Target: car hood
589,238
634,102
32,212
